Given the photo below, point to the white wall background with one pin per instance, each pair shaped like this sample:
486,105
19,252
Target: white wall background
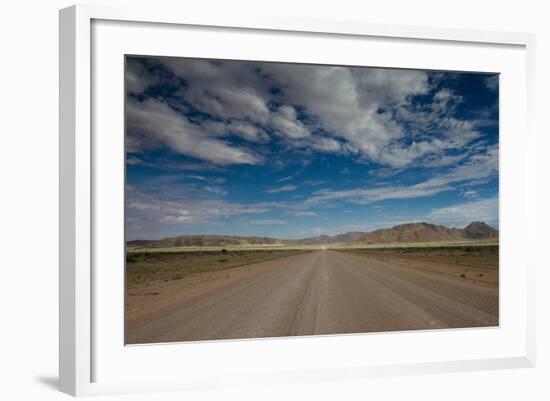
29,186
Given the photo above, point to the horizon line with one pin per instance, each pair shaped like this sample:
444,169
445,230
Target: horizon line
313,236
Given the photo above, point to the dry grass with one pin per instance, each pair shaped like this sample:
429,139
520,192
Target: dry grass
477,263
469,256
144,267
432,244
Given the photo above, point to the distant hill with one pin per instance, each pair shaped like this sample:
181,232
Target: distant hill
426,232
480,230
327,239
320,240
204,240
411,232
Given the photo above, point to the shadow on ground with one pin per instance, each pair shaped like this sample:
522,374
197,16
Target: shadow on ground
52,382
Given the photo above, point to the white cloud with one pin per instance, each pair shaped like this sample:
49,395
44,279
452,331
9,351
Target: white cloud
363,112
347,101
180,217
285,122
145,211
325,144
284,188
153,123
238,128
197,177
370,109
268,222
442,161
479,168
215,190
460,215
224,89
287,178
370,195
302,213
133,161
137,78
469,193
315,231
247,131
314,183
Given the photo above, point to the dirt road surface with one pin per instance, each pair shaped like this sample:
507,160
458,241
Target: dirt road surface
323,292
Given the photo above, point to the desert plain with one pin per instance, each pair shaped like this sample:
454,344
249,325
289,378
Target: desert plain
238,291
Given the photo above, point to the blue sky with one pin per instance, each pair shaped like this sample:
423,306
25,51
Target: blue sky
293,151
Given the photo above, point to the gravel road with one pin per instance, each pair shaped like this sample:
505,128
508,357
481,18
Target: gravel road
323,292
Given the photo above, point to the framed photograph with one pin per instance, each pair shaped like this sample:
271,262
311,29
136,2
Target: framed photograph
269,201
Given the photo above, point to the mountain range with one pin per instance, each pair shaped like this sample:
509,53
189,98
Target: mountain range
403,233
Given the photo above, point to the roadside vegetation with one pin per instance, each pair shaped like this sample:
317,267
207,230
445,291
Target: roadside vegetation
485,256
471,262
146,266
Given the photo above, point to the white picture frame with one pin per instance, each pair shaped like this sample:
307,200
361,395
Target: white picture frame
81,344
